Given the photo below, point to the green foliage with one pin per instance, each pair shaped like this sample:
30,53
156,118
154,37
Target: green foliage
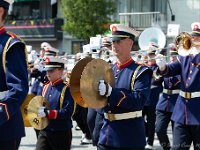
86,18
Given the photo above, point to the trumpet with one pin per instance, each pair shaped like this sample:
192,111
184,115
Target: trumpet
184,39
184,43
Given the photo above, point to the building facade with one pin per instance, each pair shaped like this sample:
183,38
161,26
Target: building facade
41,20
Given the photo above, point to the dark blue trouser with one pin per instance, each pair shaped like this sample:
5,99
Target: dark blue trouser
104,147
95,122
162,121
150,113
184,135
10,145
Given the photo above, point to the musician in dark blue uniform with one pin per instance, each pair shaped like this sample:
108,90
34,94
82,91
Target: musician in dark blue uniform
149,111
123,125
166,103
186,111
38,71
58,134
13,85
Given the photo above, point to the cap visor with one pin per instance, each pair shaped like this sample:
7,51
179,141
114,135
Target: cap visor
117,38
195,33
49,68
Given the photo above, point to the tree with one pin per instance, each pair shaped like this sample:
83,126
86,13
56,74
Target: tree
86,18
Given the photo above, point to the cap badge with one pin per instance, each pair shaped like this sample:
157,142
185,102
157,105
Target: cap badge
196,27
114,29
47,60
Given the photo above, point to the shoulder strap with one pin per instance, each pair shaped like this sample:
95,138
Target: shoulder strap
62,96
45,89
134,77
4,54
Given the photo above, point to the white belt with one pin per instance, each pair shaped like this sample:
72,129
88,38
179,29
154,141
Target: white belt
129,115
153,86
189,95
3,94
170,92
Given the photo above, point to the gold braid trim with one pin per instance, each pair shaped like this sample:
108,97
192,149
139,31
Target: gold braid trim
6,47
62,99
134,77
4,54
62,96
120,101
132,85
74,108
26,51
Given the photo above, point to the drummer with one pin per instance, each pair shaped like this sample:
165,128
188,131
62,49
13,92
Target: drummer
58,134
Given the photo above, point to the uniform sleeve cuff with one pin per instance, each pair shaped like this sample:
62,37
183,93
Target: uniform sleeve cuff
122,98
3,108
52,114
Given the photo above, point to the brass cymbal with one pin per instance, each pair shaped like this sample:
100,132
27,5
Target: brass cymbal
75,80
95,70
32,111
24,109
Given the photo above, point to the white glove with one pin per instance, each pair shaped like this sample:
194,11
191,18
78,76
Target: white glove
42,112
161,62
104,88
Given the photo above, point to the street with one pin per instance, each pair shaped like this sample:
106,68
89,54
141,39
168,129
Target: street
28,142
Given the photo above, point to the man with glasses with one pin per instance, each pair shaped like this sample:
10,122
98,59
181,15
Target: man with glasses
123,125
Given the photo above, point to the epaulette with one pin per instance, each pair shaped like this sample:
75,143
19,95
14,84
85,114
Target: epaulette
13,35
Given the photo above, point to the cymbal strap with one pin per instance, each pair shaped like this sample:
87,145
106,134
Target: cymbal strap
107,88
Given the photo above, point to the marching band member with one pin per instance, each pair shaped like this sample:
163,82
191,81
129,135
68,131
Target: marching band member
38,71
123,124
95,116
13,84
58,134
149,111
166,103
80,116
39,74
45,45
186,111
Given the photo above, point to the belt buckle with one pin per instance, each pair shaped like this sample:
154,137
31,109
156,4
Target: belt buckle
169,92
187,95
110,116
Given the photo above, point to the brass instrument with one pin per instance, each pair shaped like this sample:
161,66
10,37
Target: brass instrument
183,39
150,35
184,43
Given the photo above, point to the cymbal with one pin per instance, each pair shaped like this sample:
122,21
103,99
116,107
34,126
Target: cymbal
32,111
95,70
24,109
75,81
